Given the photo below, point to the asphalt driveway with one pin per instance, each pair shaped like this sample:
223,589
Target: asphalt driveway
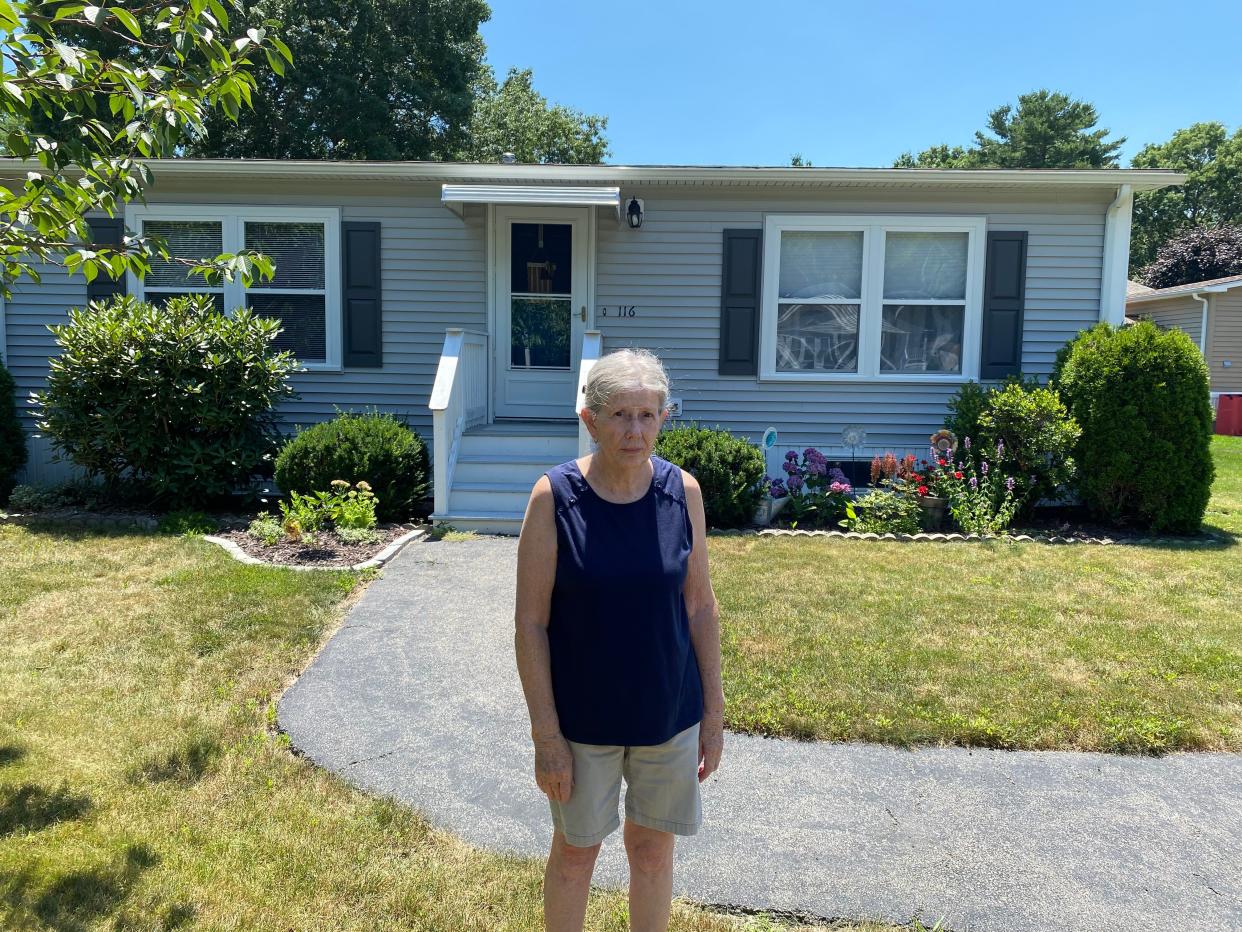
417,696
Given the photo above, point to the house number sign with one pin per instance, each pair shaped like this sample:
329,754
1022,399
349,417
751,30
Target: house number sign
618,310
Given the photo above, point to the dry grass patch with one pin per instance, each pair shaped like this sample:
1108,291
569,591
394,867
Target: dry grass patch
141,783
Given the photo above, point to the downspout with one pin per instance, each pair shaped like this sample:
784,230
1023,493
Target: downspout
1116,256
1198,296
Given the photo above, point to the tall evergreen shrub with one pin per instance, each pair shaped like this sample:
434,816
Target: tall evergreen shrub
12,439
1141,396
729,470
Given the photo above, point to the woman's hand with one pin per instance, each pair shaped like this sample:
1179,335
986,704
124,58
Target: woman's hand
711,743
554,767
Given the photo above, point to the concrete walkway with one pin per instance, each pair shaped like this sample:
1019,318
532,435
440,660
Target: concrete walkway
417,696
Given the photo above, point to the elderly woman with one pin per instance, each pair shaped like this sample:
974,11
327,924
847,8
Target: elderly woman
618,646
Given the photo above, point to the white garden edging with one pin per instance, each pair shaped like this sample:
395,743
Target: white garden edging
1207,539
376,561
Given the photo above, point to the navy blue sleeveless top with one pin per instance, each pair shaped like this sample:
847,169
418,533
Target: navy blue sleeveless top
623,666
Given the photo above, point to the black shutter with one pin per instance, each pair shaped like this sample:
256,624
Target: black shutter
361,301
739,302
1004,291
105,231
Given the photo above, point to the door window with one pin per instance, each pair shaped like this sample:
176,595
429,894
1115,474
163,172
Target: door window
540,295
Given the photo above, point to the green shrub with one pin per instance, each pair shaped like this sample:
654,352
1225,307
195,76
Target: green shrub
350,535
265,528
1030,427
1033,438
372,447
883,512
729,469
179,398
1141,397
12,438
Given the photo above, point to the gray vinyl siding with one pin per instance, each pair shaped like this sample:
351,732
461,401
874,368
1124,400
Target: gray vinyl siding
1182,313
670,269
1225,341
434,276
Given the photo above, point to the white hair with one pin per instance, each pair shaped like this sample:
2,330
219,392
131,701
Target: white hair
625,370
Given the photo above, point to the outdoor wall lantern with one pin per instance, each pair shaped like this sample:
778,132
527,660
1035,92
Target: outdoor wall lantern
634,213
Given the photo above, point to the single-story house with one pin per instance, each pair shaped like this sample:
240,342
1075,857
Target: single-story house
1210,312
473,298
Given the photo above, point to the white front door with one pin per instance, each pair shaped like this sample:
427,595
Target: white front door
542,293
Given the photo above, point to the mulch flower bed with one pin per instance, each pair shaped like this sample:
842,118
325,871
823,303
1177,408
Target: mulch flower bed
328,550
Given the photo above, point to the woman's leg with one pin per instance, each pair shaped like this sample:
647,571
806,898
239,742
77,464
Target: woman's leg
650,853
566,883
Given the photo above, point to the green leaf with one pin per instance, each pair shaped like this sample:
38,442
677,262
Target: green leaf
14,91
128,20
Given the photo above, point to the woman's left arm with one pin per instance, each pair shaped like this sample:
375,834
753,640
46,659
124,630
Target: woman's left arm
704,632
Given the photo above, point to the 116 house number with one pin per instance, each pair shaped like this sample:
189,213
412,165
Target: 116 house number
619,310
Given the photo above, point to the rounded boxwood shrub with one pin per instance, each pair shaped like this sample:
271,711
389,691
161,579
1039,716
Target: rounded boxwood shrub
1140,395
179,398
12,439
729,469
371,446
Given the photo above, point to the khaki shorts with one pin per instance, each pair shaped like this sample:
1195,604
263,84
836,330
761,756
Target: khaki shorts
661,788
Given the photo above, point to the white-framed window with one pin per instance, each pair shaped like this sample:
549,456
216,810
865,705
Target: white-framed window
879,298
304,244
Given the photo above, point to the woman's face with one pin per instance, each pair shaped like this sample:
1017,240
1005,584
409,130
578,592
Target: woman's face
626,427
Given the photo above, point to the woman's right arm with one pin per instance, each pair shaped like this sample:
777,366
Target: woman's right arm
536,575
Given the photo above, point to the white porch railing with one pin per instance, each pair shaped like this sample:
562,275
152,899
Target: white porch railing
458,401
592,349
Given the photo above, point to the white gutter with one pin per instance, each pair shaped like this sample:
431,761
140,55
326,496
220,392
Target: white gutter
1140,179
1116,256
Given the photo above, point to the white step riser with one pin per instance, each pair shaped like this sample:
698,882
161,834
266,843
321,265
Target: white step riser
478,500
526,473
554,449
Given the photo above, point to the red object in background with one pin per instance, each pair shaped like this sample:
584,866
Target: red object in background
1229,415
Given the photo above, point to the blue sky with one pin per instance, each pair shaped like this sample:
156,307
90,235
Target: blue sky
750,83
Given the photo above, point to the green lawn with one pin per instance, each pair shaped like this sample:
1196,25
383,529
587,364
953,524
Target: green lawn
994,644
141,785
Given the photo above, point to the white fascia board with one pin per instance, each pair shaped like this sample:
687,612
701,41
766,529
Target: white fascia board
1139,179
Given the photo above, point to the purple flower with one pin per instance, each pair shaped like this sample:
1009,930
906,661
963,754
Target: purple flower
791,455
984,468
1009,483
836,475
777,489
966,441
1000,448
789,466
974,483
959,465
794,483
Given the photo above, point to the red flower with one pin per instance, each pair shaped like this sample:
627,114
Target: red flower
943,463
916,477
957,475
922,490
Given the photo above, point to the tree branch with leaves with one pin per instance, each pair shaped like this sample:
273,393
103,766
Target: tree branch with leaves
89,92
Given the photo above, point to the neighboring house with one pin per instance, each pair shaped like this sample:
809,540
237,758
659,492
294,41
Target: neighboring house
472,298
1210,313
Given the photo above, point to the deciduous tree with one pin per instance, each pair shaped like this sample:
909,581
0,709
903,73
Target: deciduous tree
86,119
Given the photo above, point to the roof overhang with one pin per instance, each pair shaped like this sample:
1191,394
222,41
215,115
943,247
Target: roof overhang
1181,291
652,175
456,196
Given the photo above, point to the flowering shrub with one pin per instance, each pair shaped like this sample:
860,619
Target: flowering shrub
817,492
982,500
